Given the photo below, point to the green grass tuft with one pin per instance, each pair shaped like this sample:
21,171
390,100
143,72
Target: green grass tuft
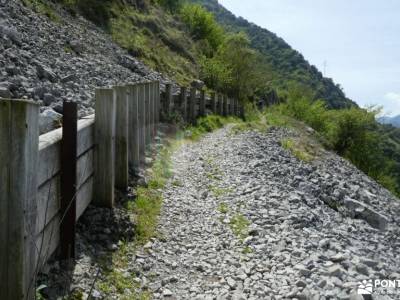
239,225
223,208
298,149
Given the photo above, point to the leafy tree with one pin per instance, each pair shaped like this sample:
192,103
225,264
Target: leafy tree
215,73
202,24
243,65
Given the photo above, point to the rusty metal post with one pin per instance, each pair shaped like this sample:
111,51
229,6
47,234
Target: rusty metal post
68,179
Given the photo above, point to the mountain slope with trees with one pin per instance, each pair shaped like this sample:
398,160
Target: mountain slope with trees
287,64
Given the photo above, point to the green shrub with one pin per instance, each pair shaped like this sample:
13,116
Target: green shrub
202,25
350,132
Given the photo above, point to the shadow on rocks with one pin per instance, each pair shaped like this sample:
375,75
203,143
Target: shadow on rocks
99,233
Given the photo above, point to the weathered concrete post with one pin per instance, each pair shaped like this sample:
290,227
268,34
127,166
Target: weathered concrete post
19,146
152,110
232,103
183,103
168,99
214,103
142,122
192,105
220,105
202,106
147,97
225,106
133,131
158,105
236,107
104,171
121,136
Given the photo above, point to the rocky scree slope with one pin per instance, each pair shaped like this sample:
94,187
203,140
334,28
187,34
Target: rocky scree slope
244,219
51,62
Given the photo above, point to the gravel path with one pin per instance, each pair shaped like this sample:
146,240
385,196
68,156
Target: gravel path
244,219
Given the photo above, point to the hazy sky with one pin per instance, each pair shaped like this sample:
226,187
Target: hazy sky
358,39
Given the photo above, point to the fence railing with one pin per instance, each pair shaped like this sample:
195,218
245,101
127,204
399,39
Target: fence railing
47,181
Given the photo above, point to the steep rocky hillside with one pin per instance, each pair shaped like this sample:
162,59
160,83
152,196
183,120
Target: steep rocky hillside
287,64
64,59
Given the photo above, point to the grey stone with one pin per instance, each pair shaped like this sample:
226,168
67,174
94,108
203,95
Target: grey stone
301,283
231,282
335,270
303,270
49,120
363,269
45,73
167,293
77,46
4,92
359,210
48,99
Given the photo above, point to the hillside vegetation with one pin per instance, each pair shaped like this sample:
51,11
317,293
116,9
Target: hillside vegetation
287,64
200,39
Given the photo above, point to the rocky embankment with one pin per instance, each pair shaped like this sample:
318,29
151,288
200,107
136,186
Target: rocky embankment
244,219
50,62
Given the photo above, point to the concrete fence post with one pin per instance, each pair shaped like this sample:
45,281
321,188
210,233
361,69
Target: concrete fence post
202,105
158,105
104,171
168,99
147,98
236,108
225,105
153,110
133,131
232,102
220,105
121,137
192,105
213,103
183,103
142,122
19,146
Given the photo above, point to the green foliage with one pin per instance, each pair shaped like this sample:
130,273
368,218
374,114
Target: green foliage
234,68
172,6
223,208
207,124
44,8
242,61
351,132
285,63
149,199
202,25
299,105
115,281
297,149
239,225
215,73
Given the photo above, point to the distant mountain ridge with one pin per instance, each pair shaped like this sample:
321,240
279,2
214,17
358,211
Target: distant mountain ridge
288,64
395,121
